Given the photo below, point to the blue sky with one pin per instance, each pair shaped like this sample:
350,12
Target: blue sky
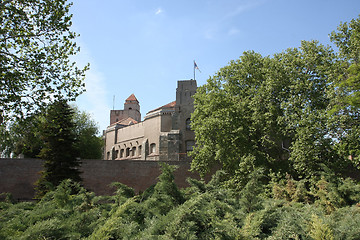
145,46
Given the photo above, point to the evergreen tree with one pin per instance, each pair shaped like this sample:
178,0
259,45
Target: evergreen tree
25,135
59,152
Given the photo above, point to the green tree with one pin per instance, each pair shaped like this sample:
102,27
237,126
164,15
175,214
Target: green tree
26,135
59,152
346,101
89,144
36,45
270,113
347,38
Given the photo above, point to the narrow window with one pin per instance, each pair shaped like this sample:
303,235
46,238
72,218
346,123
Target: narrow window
127,152
188,124
139,150
133,151
122,153
152,148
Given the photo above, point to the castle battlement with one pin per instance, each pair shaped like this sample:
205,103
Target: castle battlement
163,135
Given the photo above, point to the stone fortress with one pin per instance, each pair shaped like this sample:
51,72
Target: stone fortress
163,135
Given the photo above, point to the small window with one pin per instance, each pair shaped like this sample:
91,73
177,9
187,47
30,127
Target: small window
127,152
122,153
188,124
107,155
139,150
133,151
116,153
152,148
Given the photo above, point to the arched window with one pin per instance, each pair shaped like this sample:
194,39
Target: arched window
188,124
127,152
139,150
133,151
152,148
122,153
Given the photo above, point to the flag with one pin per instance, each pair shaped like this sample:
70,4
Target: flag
196,66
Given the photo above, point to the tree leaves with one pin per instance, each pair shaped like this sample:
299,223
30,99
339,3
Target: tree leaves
274,109
36,44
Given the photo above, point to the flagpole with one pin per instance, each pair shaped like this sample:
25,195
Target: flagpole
113,102
194,70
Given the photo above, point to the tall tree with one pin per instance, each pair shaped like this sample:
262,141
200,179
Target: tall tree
347,38
36,44
269,113
345,109
59,151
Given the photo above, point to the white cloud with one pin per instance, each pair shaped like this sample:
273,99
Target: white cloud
158,11
93,101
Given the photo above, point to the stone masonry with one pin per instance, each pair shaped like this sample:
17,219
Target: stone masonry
163,135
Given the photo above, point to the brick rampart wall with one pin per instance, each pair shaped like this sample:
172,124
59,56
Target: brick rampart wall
17,176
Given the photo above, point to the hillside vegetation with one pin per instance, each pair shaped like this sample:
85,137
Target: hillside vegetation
284,210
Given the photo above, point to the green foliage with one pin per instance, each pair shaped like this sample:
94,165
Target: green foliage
88,142
202,211
58,152
347,38
26,135
248,109
250,196
36,45
68,212
274,113
319,230
345,223
122,192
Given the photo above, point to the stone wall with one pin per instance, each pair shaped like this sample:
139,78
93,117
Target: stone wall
18,175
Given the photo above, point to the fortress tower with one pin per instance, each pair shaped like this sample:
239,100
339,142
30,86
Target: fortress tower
131,110
165,133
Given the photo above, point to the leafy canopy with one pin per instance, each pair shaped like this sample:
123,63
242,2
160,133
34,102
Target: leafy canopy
25,135
275,113
36,45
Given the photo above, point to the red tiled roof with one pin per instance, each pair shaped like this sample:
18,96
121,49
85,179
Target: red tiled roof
169,105
131,98
128,121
